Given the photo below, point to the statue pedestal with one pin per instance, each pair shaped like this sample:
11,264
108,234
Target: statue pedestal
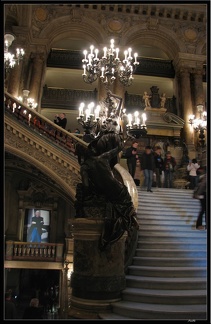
155,111
98,276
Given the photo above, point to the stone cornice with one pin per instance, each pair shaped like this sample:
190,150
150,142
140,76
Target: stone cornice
187,60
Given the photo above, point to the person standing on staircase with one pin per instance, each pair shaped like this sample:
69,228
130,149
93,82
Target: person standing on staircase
148,166
192,168
132,156
158,165
169,166
201,193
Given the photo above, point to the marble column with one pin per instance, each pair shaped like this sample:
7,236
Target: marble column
63,287
36,76
198,89
98,276
185,89
13,79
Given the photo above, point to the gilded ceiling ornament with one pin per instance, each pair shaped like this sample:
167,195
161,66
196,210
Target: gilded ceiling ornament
190,34
41,14
115,25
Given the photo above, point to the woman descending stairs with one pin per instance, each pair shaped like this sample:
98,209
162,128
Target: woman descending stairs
168,276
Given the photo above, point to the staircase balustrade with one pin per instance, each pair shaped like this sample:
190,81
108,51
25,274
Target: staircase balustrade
35,121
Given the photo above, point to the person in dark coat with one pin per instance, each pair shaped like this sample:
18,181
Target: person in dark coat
148,166
132,157
169,167
10,308
33,311
158,165
201,194
61,121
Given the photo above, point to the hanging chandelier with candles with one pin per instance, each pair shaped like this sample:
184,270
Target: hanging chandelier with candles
109,67
11,59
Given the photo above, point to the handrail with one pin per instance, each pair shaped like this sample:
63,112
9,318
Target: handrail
35,120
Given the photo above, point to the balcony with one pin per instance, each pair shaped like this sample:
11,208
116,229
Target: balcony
27,251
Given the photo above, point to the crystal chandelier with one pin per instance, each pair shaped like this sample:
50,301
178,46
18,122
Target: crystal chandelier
109,67
11,59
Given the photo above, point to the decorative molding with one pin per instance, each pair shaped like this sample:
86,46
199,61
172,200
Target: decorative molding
61,167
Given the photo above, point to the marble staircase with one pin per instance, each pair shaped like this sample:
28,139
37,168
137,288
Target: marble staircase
167,279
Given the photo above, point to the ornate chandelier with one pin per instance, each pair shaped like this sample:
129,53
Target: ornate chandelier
109,67
11,59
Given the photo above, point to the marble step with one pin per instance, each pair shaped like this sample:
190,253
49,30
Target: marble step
166,282
172,297
170,253
160,271
172,236
187,245
159,311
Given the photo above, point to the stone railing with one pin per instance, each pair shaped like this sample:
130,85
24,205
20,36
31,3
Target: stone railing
66,98
27,251
33,120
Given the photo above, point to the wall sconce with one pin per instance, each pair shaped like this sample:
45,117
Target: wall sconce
199,124
11,59
28,101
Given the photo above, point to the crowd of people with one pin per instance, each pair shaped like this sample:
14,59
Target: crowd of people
158,172
152,164
156,168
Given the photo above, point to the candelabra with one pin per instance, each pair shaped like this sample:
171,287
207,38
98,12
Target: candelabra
133,125
11,59
199,124
109,66
90,121
109,116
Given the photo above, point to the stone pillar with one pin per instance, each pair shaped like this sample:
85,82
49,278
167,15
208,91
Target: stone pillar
98,276
13,79
187,108
63,287
198,89
36,76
